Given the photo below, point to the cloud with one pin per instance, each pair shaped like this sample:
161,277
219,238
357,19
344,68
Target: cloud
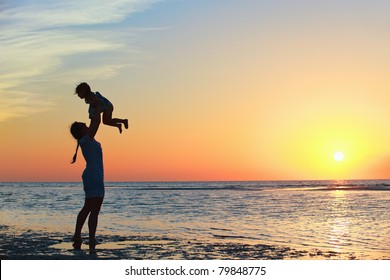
46,13
19,103
44,41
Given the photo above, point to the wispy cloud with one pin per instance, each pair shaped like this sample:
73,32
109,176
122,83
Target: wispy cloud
41,40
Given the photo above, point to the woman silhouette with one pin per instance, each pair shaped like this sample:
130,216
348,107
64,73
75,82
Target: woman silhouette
92,179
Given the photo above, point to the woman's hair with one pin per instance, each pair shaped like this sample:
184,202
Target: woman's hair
83,87
76,129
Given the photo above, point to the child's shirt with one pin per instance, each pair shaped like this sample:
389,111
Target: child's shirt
105,104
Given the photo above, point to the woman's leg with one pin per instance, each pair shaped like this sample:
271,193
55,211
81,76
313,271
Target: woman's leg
92,208
96,203
81,217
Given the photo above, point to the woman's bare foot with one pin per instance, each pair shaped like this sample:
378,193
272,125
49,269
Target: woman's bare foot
77,241
92,246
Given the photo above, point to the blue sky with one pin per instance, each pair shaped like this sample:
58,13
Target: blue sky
42,42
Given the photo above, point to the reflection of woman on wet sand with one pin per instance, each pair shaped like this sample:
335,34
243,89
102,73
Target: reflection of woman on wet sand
92,179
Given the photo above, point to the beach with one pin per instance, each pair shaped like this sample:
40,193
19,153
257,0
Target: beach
302,220
39,245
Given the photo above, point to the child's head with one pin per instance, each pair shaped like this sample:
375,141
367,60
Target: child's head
82,90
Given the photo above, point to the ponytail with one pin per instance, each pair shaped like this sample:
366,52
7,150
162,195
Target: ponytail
75,154
76,129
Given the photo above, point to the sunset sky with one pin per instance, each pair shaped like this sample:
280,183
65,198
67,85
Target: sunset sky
213,90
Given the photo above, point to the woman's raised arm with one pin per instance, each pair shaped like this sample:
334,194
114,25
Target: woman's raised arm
94,125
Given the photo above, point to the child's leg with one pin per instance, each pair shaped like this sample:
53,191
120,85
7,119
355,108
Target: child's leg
108,120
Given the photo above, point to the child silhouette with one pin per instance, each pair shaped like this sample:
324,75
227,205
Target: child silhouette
99,104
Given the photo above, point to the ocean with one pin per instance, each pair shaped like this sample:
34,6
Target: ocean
340,216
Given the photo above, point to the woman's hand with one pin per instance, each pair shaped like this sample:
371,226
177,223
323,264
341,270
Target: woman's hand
94,125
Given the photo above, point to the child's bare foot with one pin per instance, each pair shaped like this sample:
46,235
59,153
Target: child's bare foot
126,123
120,127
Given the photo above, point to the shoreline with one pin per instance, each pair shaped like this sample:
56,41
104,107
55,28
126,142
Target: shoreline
41,245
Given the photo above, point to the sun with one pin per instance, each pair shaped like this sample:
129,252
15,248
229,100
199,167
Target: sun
338,156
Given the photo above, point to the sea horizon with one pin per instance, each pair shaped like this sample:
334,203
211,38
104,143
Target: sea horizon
200,181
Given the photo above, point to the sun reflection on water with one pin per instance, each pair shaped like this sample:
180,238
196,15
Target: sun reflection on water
339,234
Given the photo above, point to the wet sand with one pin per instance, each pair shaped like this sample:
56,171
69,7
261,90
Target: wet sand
41,245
